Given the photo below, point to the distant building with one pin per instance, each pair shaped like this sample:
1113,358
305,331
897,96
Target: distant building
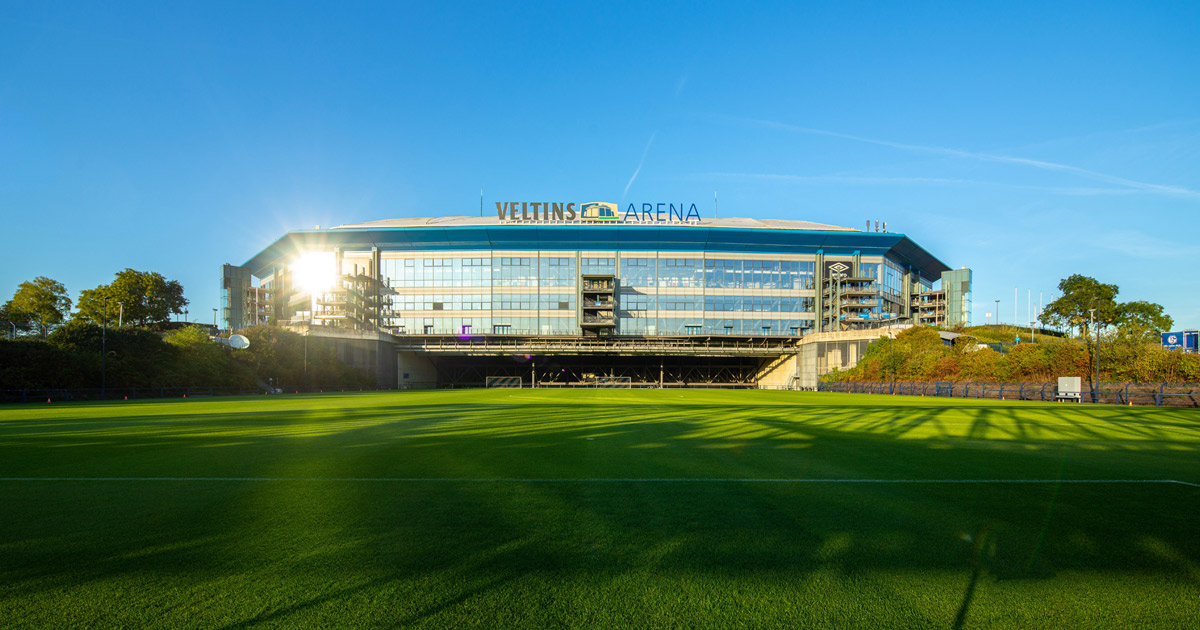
242,304
1185,340
948,306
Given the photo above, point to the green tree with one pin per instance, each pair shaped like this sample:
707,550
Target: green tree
1080,294
1143,320
14,323
146,297
1137,331
42,302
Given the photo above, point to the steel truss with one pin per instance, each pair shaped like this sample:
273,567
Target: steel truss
561,370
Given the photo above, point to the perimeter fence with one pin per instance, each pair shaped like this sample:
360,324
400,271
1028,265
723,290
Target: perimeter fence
1156,394
142,393
57,395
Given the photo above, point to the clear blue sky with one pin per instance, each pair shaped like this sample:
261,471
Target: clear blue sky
1028,141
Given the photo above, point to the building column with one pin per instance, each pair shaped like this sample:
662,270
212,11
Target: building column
819,286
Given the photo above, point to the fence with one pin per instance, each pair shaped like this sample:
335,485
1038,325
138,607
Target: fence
1157,394
138,393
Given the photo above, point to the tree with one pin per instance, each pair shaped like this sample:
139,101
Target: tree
1143,320
14,323
145,295
1079,295
42,302
1128,326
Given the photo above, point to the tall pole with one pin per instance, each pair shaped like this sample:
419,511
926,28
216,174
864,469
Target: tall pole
1097,364
997,312
214,319
891,363
104,350
1029,311
1095,357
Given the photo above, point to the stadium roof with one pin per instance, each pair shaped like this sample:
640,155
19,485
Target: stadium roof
708,235
463,221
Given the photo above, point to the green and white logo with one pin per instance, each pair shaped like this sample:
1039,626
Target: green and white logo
599,211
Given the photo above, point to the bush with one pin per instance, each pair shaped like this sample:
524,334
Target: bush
29,364
71,358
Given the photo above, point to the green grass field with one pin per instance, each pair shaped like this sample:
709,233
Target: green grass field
599,508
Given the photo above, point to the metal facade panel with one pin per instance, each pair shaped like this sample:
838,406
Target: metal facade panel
604,237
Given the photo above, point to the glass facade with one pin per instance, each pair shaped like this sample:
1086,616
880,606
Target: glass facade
479,276
517,280
539,293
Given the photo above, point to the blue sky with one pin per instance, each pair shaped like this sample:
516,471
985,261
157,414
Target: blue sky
1028,141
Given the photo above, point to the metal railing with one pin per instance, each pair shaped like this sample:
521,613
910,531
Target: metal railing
1156,394
58,395
500,346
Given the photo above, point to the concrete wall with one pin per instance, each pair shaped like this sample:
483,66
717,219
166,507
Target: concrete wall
779,373
366,350
806,366
415,371
820,353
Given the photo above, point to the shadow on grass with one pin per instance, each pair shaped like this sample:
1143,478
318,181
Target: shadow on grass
401,553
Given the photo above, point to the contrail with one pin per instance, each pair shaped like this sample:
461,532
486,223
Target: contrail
639,166
988,157
851,179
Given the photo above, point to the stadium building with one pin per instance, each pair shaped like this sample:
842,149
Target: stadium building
563,293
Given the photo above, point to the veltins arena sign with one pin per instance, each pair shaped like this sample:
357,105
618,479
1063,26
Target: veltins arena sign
596,212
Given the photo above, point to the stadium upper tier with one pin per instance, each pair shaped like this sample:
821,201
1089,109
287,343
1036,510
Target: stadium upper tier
733,235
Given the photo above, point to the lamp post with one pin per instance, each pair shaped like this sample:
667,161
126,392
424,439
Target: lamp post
1097,364
1095,357
891,363
214,320
997,312
121,315
104,349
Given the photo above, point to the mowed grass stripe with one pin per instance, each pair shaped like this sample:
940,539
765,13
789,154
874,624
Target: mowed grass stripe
611,508
589,480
